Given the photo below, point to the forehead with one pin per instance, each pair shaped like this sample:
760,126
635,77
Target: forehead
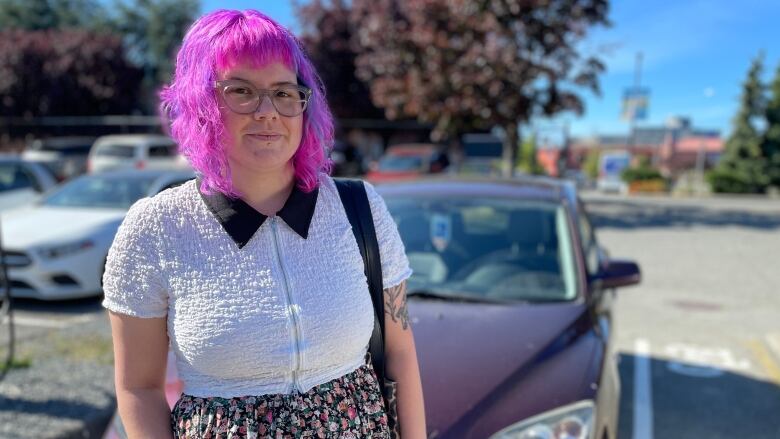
262,76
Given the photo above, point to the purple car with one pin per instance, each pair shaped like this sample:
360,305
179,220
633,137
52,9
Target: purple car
510,303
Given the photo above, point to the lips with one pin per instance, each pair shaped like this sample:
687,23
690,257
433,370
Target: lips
265,137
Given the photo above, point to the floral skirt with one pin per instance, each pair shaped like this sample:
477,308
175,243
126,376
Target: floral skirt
350,406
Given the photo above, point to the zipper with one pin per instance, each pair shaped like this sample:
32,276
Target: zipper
293,310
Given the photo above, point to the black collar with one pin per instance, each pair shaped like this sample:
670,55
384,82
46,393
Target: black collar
241,221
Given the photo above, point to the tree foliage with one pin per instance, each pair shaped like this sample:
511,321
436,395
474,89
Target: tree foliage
327,37
770,146
743,166
64,72
52,14
97,71
153,30
466,65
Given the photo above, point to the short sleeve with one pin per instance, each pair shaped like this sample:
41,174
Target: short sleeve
395,265
132,281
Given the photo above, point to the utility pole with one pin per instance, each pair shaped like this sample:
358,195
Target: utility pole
637,84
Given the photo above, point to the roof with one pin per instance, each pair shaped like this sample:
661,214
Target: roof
519,187
142,173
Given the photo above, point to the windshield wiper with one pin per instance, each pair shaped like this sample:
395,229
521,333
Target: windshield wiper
453,296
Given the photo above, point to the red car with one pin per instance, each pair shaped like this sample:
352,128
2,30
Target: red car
408,161
511,305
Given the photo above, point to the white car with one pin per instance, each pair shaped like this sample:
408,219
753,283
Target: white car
56,249
22,182
134,151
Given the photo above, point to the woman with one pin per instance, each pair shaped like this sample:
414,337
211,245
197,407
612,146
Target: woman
251,271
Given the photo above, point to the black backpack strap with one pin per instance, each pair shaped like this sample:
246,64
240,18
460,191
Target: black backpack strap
355,200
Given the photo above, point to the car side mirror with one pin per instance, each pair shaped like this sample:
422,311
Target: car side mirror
619,273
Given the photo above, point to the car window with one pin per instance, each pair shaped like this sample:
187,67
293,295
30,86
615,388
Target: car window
395,163
588,241
14,176
161,150
100,191
504,249
115,150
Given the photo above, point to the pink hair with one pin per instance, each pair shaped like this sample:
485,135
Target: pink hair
218,41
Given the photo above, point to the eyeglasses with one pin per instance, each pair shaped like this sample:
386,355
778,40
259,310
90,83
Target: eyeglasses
243,98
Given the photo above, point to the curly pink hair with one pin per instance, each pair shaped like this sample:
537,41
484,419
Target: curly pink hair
218,41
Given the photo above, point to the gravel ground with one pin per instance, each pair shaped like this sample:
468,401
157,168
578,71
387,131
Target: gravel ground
68,390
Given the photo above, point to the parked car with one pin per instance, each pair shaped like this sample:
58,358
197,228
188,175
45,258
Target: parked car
56,248
135,151
510,301
409,161
66,157
22,181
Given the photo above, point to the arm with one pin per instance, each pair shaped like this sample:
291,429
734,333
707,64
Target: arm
140,356
402,364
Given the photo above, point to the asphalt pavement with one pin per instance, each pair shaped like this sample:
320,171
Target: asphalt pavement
699,339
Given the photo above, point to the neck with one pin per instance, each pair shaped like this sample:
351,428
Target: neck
265,192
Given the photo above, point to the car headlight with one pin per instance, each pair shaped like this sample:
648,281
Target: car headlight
574,421
65,249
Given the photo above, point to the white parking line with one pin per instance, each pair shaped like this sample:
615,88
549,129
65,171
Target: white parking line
643,392
41,322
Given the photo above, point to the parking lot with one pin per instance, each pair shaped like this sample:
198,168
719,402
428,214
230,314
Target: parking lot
699,339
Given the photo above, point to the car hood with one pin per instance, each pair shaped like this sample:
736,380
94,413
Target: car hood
467,351
41,225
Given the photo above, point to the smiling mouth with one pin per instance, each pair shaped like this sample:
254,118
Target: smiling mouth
266,137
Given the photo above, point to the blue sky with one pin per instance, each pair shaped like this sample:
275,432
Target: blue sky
696,55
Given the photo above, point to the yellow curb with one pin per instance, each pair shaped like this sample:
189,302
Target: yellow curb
765,358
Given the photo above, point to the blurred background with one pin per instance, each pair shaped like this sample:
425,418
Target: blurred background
663,118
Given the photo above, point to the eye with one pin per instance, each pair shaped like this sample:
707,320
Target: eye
239,90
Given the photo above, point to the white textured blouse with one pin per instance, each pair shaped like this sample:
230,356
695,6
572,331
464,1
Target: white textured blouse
254,305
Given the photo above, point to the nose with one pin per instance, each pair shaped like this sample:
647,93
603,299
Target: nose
266,109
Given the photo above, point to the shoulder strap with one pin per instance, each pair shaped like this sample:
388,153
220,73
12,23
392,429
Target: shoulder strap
356,205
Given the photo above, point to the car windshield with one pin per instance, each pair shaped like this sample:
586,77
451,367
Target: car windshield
496,249
12,176
395,163
109,191
114,150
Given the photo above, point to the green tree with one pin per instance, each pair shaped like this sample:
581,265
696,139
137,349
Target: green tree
742,167
591,164
770,147
527,160
153,30
52,14
476,64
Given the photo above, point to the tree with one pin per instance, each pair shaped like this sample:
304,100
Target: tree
527,160
466,65
52,14
770,146
327,37
64,72
591,164
153,30
742,167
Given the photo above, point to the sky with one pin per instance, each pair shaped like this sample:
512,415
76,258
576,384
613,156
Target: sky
696,54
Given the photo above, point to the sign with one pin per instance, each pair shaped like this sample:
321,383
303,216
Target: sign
635,101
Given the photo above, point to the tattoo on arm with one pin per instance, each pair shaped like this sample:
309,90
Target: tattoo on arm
395,304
